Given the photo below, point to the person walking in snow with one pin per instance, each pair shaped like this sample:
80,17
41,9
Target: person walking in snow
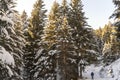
111,72
92,75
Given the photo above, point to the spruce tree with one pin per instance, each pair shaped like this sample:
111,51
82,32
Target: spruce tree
35,29
99,38
66,61
20,41
116,15
38,17
11,39
106,32
115,45
49,39
110,50
50,30
25,21
57,37
81,35
77,22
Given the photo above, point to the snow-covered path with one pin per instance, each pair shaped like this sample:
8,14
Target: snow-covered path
103,74
109,72
99,79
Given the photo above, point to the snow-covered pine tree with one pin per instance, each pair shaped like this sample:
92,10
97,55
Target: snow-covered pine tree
81,35
11,40
92,52
35,29
25,21
57,36
108,53
20,41
115,45
27,36
26,26
100,43
116,15
65,58
49,36
7,64
38,18
106,33
49,39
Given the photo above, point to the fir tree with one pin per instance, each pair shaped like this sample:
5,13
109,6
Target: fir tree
49,39
25,21
106,33
116,15
57,37
110,52
20,41
38,17
115,45
11,39
65,47
66,61
81,35
99,38
50,30
35,29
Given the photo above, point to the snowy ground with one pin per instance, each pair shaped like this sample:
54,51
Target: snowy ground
99,79
103,73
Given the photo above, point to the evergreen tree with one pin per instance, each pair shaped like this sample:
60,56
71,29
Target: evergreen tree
81,35
106,33
49,39
35,29
115,37
25,21
20,41
110,52
11,39
38,17
99,38
116,15
57,37
25,30
49,36
66,58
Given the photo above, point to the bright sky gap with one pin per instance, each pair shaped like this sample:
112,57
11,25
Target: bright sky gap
97,11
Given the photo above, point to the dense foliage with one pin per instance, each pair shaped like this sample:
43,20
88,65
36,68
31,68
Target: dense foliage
53,47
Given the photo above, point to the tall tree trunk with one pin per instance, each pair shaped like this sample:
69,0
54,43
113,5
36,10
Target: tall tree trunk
80,71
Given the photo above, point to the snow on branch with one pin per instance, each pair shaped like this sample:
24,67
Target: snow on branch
6,57
91,51
4,17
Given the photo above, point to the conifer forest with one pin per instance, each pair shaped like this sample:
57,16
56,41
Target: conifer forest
54,45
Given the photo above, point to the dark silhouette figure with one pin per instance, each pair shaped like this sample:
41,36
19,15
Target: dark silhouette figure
92,75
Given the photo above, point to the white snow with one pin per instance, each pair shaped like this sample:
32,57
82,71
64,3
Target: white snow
38,53
91,51
9,71
52,52
6,18
6,57
116,69
4,31
12,29
103,72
